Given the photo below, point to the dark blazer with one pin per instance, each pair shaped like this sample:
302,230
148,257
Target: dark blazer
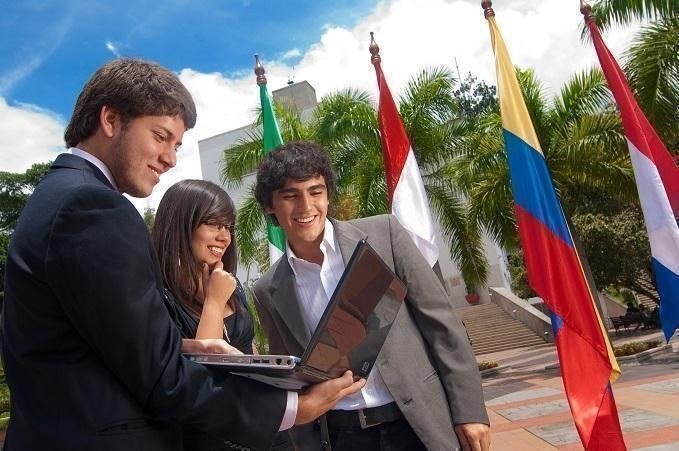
91,356
426,362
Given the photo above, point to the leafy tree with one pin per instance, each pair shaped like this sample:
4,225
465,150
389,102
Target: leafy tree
475,97
15,188
617,248
149,216
581,139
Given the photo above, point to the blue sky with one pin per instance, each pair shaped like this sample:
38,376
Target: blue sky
50,48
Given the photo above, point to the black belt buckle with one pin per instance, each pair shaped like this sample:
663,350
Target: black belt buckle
365,423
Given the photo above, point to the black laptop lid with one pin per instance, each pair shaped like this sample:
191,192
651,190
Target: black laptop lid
358,318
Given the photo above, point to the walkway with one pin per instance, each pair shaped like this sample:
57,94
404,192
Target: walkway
529,411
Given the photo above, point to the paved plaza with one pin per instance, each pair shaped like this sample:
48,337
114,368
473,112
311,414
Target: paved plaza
528,408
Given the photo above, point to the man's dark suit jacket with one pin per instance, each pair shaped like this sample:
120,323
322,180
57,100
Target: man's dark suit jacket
91,356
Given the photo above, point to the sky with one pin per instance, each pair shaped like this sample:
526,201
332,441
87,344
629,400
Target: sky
50,48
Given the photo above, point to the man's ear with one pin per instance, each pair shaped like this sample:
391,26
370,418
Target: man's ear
109,121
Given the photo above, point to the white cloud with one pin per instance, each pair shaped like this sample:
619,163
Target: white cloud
113,48
412,34
29,135
292,53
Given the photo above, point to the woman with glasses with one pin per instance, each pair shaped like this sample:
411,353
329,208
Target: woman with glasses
193,234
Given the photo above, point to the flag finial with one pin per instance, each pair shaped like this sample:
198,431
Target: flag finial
374,50
259,71
487,6
586,10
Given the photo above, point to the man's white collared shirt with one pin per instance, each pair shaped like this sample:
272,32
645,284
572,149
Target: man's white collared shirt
315,285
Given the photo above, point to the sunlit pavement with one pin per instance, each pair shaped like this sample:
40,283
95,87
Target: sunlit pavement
528,408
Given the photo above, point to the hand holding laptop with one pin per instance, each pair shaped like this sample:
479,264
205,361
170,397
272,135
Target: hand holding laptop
321,397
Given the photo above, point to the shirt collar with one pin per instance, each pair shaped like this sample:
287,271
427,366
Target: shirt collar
328,244
95,161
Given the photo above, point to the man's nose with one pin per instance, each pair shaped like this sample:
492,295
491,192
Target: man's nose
304,202
169,157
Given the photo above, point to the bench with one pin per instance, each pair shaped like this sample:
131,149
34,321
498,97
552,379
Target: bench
626,321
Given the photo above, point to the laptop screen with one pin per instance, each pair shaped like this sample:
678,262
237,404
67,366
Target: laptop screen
350,335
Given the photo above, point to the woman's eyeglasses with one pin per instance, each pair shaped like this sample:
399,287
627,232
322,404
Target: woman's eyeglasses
221,226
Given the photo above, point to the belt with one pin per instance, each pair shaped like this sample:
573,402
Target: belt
364,418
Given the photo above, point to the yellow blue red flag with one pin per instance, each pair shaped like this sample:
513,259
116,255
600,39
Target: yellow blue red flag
555,270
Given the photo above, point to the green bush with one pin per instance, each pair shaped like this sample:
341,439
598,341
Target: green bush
635,347
4,400
487,364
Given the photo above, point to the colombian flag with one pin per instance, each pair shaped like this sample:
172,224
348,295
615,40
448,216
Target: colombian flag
657,177
555,271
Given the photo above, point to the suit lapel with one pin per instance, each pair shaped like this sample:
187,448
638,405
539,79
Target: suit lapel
286,302
348,236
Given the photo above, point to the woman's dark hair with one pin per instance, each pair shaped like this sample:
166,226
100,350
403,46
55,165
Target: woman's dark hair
184,207
297,160
133,88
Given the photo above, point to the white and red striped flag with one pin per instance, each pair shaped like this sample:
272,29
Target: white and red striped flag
657,177
407,198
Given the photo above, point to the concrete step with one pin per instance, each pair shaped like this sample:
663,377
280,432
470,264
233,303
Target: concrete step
491,329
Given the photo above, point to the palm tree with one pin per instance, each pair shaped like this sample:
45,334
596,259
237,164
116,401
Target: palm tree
346,124
241,160
652,61
581,139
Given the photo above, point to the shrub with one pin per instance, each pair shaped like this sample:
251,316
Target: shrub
487,364
634,347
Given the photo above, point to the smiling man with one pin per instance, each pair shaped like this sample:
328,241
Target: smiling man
91,355
424,391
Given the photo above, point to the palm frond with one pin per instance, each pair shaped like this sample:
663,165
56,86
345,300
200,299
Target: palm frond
653,71
250,229
623,12
241,159
464,240
585,93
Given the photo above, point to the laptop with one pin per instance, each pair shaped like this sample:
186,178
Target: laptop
350,333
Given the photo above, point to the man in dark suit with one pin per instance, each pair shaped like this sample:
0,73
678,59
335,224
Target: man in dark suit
425,388
91,356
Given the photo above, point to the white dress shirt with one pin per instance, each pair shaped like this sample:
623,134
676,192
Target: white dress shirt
315,285
290,415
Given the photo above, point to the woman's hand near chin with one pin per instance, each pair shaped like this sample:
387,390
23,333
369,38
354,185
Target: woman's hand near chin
218,286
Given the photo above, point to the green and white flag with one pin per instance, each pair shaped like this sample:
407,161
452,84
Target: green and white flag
271,138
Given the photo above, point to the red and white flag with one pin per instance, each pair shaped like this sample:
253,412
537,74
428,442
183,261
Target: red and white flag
657,177
407,198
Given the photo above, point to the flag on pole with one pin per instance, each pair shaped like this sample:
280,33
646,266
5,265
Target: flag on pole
271,138
554,268
407,198
657,177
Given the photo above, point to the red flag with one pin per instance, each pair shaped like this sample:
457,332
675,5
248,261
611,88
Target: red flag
407,198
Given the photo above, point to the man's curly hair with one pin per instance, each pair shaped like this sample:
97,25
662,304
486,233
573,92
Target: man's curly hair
297,160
